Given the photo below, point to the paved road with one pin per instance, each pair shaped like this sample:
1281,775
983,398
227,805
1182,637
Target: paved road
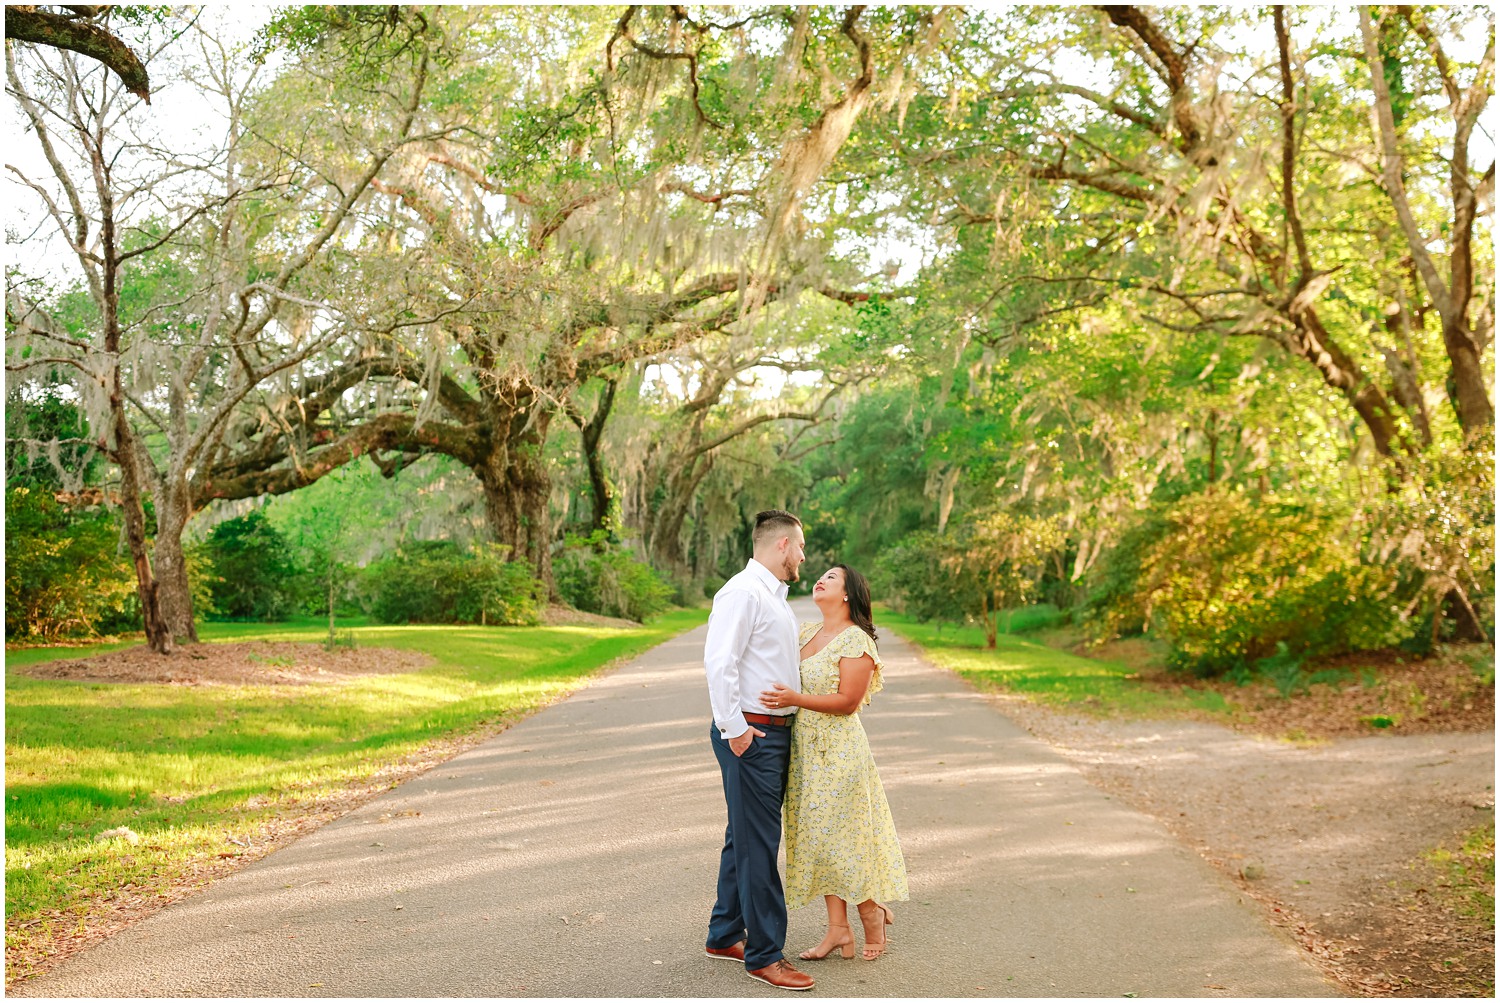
575,855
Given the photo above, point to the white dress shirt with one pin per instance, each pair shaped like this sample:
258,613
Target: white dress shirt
752,644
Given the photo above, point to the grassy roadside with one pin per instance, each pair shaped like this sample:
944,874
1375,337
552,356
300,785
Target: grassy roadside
1358,694
206,774
1049,675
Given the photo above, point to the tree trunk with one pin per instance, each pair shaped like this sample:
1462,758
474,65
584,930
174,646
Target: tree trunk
126,449
518,492
1467,387
158,636
600,490
170,564
1466,384
1340,372
667,521
1403,369
666,535
991,627
1211,430
601,494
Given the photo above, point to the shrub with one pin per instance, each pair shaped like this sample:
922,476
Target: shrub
1115,606
988,564
436,581
254,573
63,572
598,577
1232,578
1283,670
1438,524
1030,619
911,577
201,577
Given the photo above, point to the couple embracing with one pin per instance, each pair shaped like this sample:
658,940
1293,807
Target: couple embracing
787,736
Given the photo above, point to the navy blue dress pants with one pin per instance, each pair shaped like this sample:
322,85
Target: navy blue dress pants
751,905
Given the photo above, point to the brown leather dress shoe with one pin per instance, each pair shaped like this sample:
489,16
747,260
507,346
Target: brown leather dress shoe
783,976
734,952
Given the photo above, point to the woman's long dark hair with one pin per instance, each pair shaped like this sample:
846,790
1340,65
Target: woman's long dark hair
858,591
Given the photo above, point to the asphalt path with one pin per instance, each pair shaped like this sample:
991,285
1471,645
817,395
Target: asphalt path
575,855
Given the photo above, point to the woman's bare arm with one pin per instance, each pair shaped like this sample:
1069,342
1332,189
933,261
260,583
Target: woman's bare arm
854,682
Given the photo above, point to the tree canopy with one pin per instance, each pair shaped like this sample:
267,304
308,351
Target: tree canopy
1039,297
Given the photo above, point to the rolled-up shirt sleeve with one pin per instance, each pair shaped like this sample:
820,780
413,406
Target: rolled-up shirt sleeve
729,628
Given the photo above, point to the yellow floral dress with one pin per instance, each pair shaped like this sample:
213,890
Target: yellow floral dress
840,838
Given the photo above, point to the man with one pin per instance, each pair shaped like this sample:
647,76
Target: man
752,644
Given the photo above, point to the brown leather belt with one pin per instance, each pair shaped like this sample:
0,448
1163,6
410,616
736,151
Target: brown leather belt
780,722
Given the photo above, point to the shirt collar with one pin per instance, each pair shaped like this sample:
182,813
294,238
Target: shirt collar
762,574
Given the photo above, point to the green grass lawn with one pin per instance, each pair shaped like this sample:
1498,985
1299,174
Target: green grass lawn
1048,675
191,769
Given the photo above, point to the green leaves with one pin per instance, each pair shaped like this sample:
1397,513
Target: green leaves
253,569
1236,577
63,576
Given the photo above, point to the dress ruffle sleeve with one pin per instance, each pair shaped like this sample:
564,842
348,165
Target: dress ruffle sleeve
807,630
855,642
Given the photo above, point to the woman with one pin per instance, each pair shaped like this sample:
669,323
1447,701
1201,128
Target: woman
840,840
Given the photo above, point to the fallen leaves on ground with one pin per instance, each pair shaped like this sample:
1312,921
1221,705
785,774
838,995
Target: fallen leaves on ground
235,664
1412,696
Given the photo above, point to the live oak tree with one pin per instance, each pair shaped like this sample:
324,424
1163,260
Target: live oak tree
571,229
716,415
174,363
1464,299
1132,331
1224,191
1163,250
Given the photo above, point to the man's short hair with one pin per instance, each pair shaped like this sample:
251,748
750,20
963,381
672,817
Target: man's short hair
772,523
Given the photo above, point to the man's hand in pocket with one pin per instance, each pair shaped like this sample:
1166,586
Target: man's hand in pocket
740,744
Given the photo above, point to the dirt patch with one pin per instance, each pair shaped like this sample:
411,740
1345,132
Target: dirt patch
242,663
1331,837
566,616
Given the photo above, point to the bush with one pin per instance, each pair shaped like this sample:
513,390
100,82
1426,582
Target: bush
597,577
63,573
911,577
436,581
1030,619
988,564
1234,580
1437,523
1115,606
254,574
